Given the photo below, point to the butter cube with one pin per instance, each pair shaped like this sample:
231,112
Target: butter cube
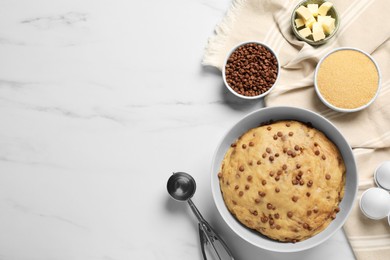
328,24
313,8
304,13
299,22
321,18
318,32
309,22
324,8
305,32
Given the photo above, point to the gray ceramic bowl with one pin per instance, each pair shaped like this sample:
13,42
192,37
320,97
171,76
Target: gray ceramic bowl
332,12
280,113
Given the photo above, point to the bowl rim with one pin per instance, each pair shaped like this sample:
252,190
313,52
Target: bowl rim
228,218
311,42
226,60
347,110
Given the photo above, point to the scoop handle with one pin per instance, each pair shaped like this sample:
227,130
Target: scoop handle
207,235
210,238
196,211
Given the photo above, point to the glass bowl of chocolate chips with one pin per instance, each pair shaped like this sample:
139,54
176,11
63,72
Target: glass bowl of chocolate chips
251,70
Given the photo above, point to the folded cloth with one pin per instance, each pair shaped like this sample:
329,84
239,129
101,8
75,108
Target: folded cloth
363,25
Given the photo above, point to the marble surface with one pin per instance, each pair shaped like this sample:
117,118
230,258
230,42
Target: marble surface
100,101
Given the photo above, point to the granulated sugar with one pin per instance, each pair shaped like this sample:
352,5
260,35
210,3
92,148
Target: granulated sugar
347,79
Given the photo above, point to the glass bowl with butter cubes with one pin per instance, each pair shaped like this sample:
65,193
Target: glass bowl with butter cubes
315,21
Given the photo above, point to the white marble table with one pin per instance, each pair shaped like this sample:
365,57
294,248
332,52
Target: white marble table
100,101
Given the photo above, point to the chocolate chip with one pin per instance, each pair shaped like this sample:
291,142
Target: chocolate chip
243,146
276,154
308,213
255,212
277,190
301,182
269,206
309,183
298,166
275,137
264,219
251,143
247,187
264,182
257,200
290,133
284,167
279,172
269,128
327,176
236,187
289,214
317,152
249,178
284,150
264,155
337,209
323,157
258,162
271,173
288,124
220,175
294,198
315,210
294,182
241,193
305,226
271,158
289,152
233,145
308,194
277,178
268,150
280,134
271,221
241,168
296,147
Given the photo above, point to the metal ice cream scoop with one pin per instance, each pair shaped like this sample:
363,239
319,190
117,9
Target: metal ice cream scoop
181,186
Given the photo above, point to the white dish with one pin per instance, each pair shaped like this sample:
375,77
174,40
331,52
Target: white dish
339,109
280,113
224,72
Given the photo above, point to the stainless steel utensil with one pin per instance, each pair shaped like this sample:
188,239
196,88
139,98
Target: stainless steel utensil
181,186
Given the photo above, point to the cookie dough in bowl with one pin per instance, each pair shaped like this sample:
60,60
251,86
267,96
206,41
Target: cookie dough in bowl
284,179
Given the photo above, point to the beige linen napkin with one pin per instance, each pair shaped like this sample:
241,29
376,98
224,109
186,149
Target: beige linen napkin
364,25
